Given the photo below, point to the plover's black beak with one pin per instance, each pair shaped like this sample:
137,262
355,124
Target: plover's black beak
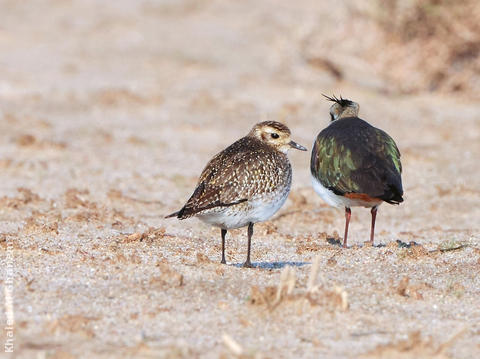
293,144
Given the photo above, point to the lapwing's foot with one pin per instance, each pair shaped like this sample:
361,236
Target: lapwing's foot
247,264
223,261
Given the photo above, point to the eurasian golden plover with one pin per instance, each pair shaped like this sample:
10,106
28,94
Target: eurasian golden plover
355,164
244,184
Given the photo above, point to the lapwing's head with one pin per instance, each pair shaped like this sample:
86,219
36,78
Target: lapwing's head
276,135
342,108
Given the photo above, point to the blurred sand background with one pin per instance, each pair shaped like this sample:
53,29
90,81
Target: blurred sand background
110,110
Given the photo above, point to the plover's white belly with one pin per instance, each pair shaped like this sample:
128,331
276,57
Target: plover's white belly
258,209
339,201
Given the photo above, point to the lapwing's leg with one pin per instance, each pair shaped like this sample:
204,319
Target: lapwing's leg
348,214
372,231
224,232
247,263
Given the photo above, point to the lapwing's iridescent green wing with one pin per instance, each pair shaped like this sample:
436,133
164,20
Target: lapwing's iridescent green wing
388,147
350,156
332,164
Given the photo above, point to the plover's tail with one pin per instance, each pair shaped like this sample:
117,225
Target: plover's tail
189,211
182,214
174,214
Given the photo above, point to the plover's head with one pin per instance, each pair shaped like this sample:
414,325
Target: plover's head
276,135
342,108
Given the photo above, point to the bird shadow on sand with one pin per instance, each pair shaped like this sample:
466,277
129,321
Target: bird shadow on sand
272,265
338,243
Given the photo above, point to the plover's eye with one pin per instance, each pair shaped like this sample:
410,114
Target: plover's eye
274,135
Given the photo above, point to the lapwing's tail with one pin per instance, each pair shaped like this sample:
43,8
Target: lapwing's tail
397,200
394,195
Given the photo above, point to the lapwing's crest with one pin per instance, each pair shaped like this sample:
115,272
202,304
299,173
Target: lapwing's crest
341,101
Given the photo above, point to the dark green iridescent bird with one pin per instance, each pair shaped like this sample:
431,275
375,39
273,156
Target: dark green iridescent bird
355,164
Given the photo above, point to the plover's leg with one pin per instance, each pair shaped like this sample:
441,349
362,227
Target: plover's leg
348,214
372,231
247,263
224,232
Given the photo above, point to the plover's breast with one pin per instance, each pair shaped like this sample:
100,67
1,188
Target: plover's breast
266,205
258,209
264,202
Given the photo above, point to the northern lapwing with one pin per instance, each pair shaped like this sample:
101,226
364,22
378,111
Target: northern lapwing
244,184
355,164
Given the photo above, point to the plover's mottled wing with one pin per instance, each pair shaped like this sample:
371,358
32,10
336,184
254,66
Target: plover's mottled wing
350,156
203,199
213,190
230,178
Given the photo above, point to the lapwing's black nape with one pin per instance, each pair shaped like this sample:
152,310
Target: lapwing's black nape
355,164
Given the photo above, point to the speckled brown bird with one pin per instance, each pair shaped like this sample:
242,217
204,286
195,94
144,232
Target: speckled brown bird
244,184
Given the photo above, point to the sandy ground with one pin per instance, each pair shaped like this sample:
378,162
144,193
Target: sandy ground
108,113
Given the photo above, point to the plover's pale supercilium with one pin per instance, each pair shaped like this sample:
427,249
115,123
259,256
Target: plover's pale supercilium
355,164
244,184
